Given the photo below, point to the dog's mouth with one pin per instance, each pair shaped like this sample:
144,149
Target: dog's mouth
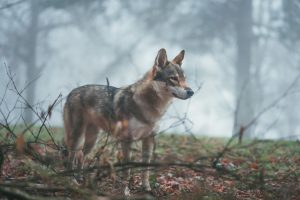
181,93
180,97
176,96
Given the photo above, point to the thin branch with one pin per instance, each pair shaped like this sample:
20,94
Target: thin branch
275,102
9,5
255,119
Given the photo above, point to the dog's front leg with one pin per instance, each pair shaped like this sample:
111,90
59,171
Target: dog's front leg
147,149
126,145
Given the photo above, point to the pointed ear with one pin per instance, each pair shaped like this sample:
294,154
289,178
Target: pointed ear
178,59
161,58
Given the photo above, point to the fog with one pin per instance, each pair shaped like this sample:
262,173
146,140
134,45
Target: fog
242,57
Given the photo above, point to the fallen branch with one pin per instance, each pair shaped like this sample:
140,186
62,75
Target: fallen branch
13,193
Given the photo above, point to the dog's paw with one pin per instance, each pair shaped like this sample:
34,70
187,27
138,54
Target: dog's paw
127,191
146,187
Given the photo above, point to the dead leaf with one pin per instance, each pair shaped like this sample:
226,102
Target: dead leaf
230,183
49,112
254,166
20,144
219,188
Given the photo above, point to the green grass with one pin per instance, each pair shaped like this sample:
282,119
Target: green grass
30,134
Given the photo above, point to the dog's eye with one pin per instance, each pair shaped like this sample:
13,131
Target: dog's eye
174,78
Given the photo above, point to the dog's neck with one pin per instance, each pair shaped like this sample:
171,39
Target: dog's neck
153,97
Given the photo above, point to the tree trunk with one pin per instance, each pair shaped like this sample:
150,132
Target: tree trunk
243,90
31,63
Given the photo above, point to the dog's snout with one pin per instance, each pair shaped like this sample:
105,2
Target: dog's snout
189,92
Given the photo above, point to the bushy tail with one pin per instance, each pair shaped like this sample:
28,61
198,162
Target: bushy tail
67,126
65,142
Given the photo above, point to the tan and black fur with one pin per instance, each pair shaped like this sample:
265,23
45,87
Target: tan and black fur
129,113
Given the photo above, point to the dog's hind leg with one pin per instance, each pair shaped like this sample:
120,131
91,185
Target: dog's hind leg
126,146
74,140
91,134
147,150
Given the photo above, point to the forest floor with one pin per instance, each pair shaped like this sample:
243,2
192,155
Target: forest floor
184,167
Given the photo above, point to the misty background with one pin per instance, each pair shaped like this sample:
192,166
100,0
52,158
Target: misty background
244,54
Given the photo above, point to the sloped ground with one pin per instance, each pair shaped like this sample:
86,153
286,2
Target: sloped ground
183,169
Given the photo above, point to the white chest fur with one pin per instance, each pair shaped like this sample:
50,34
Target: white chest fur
139,130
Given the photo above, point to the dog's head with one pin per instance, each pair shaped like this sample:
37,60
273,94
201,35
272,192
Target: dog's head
171,73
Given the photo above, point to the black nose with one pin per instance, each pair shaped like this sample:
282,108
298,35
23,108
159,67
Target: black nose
189,92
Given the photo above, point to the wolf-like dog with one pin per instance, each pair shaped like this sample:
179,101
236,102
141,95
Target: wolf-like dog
128,113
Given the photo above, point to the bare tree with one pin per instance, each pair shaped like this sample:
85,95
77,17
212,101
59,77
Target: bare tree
243,85
30,57
23,41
